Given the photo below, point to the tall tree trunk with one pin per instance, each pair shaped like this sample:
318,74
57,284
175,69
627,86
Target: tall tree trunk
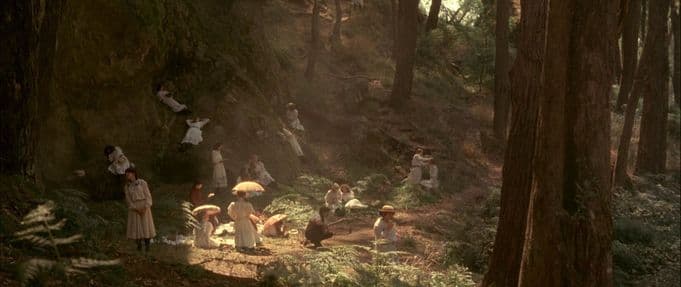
572,161
336,33
622,162
501,68
29,30
517,181
630,30
644,20
676,76
433,15
314,42
405,50
394,14
557,168
652,146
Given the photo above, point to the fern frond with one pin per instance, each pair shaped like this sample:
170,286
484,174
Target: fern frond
30,269
46,242
42,213
85,263
189,219
41,229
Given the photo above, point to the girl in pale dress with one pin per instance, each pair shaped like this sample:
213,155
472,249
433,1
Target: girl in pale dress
219,174
194,135
245,234
258,171
202,234
333,198
346,193
164,96
140,221
418,161
119,162
385,229
292,117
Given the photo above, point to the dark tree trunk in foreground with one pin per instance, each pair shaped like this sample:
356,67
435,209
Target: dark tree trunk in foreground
28,46
557,161
405,50
501,69
336,33
630,29
676,76
433,15
504,265
652,146
314,42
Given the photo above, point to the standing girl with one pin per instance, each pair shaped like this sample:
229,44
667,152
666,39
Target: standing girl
140,221
245,234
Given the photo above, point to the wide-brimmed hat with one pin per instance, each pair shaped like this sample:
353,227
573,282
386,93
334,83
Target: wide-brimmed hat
291,105
276,218
248,187
387,209
207,208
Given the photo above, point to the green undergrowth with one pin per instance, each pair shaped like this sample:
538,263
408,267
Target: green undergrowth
647,233
357,266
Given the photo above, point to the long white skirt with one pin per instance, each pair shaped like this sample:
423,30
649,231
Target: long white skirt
415,175
193,136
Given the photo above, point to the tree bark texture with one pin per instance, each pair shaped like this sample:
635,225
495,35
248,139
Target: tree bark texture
630,30
652,146
405,50
501,69
28,31
314,42
336,32
555,224
676,76
433,15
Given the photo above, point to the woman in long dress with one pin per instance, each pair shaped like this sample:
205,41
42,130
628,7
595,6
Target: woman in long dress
140,221
245,234
293,142
219,174
194,136
164,96
418,161
346,193
258,171
292,117
196,196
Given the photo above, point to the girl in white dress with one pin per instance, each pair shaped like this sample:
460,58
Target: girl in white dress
385,228
119,162
292,117
219,173
140,221
258,171
245,234
346,193
418,161
333,198
164,96
194,135
203,233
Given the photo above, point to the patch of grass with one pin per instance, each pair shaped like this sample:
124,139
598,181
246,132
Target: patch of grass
411,196
298,211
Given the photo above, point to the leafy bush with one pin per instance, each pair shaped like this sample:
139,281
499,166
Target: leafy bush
410,196
633,231
299,213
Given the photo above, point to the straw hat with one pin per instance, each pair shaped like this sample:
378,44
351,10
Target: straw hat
275,218
387,208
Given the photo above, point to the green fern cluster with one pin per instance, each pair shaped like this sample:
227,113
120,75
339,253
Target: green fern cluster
40,226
